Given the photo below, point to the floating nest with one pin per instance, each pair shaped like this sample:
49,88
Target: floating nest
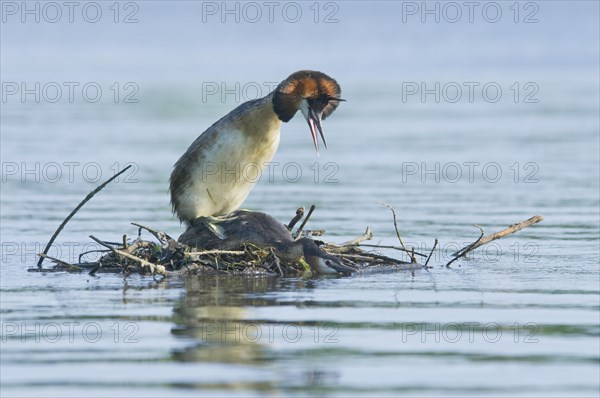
164,255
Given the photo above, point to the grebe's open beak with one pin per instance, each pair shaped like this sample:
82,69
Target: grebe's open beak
313,118
314,123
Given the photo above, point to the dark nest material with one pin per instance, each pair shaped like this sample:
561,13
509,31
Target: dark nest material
164,255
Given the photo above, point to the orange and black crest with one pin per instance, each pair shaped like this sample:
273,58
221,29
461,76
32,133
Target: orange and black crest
320,90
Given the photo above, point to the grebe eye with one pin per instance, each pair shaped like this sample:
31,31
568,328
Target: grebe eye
327,262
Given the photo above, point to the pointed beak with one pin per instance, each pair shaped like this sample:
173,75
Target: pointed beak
327,264
337,266
321,262
314,123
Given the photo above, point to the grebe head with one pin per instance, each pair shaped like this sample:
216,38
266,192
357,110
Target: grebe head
321,262
314,93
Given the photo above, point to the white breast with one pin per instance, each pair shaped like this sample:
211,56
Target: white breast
225,171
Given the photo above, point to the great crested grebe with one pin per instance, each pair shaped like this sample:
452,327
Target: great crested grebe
262,230
204,182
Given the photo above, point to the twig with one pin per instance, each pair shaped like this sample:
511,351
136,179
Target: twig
314,232
371,256
467,248
431,253
277,262
112,243
97,267
297,217
507,231
412,257
154,268
390,247
384,268
91,251
205,252
368,235
61,262
75,210
161,236
218,252
310,212
352,255
139,244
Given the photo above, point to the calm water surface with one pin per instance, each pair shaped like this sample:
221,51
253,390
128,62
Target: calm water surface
520,317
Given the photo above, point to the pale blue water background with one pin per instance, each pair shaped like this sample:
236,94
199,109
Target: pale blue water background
520,318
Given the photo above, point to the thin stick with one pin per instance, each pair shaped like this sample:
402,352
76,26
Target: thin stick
431,253
139,244
412,257
152,231
466,249
390,247
372,256
75,210
297,217
507,231
310,212
277,262
91,251
358,256
145,264
202,253
368,235
60,262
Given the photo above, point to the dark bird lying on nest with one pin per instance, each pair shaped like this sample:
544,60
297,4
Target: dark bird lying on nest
248,227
